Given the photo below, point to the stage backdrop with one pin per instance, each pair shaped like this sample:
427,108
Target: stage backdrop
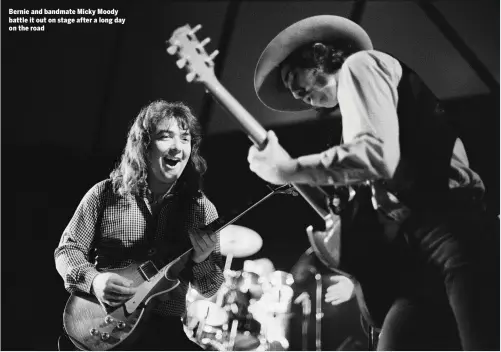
70,92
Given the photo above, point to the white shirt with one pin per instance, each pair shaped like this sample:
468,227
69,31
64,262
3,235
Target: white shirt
368,99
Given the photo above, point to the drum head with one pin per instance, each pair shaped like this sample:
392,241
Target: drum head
208,311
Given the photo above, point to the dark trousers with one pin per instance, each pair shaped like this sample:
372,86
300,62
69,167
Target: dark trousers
413,324
462,249
163,334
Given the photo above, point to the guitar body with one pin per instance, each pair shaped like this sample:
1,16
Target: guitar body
92,326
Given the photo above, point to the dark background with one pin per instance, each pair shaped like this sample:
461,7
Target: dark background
69,93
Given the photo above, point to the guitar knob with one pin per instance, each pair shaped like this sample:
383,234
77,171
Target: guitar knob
108,319
94,332
121,325
105,336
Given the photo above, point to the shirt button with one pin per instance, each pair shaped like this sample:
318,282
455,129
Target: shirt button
152,252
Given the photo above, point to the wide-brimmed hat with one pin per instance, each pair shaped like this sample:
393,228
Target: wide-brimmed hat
325,28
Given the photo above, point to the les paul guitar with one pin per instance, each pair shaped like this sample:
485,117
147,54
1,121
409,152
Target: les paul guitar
92,325
326,243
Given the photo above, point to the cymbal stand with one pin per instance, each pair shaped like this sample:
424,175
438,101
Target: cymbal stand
318,314
283,189
304,299
373,337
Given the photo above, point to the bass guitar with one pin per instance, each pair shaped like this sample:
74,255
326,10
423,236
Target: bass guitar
326,243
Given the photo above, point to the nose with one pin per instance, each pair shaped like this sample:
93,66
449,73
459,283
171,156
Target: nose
175,146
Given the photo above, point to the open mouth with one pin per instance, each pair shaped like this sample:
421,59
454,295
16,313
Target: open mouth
172,162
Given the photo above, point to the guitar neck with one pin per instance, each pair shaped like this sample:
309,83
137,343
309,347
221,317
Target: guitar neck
248,123
215,226
315,196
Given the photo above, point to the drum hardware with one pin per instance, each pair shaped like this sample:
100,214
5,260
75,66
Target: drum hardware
252,314
305,301
251,307
319,314
233,335
373,337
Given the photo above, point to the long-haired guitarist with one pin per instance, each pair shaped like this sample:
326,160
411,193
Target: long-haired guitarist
150,209
397,136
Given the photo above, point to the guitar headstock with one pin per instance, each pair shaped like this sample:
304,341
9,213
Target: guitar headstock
191,53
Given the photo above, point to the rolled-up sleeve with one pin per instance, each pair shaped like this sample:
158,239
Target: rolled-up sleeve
72,254
368,98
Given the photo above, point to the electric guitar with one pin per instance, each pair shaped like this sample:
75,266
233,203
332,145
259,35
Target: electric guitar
93,325
194,58
326,243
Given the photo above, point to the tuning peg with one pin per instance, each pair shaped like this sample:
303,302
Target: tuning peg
204,42
194,30
209,61
173,48
181,62
191,76
213,55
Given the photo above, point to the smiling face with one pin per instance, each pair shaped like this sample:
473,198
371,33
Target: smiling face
169,152
312,86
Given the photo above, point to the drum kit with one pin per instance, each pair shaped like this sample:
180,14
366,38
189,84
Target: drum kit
251,310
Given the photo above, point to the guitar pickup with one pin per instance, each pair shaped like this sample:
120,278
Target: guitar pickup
148,270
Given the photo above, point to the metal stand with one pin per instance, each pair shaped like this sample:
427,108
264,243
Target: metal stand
319,314
304,299
373,338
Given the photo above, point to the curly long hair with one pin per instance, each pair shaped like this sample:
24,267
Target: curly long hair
131,174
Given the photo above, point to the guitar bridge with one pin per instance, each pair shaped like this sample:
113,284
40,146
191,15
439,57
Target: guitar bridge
148,270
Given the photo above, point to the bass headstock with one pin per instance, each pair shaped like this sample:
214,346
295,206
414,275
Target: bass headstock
191,54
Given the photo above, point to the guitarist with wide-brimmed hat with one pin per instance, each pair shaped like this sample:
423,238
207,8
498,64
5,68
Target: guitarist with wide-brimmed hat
398,139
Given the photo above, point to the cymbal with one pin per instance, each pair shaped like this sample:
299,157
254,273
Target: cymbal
239,241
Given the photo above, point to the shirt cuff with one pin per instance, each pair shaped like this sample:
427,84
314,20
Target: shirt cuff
89,274
202,268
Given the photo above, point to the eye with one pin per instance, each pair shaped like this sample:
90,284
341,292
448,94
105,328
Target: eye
164,137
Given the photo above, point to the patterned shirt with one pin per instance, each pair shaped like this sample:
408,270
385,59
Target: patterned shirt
110,231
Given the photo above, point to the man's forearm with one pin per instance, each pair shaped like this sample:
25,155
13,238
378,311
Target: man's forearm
347,164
